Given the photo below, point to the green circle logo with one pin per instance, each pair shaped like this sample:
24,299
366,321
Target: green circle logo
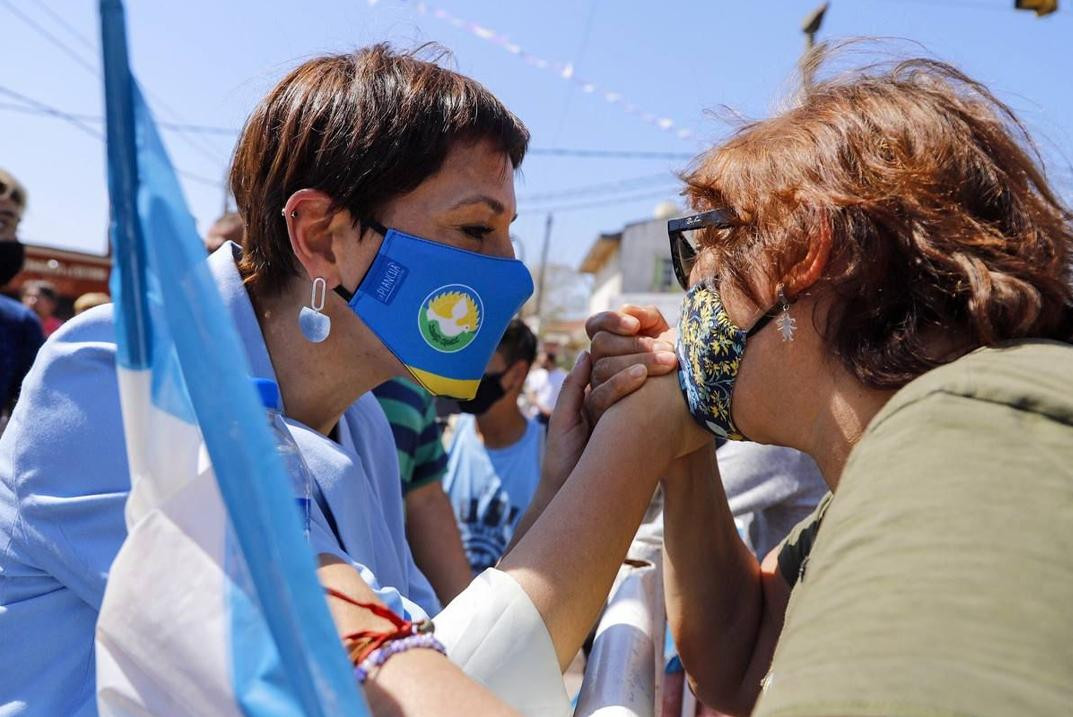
450,318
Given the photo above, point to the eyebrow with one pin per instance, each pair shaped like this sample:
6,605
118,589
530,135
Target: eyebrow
494,204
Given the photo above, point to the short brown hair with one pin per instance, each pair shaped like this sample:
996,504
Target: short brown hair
519,343
940,216
362,127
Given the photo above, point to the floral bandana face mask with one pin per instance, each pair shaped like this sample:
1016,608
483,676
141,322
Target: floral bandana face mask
710,348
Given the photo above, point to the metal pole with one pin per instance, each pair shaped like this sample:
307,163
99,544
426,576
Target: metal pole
543,270
810,27
227,190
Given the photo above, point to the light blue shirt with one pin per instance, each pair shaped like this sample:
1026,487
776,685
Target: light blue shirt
490,489
64,481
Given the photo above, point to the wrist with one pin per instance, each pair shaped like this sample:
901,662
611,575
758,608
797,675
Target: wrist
691,469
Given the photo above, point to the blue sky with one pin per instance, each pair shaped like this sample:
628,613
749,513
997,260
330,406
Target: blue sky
208,62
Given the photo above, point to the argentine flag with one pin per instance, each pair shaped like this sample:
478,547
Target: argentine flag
212,605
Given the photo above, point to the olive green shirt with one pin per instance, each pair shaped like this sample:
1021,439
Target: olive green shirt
941,579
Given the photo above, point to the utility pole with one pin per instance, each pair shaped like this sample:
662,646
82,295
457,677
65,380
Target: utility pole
810,27
227,190
543,274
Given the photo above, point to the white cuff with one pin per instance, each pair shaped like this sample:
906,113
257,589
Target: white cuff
495,634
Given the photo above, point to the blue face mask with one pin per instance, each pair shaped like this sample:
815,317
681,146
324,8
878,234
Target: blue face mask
440,310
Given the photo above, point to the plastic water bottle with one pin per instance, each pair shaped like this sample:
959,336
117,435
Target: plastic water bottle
293,463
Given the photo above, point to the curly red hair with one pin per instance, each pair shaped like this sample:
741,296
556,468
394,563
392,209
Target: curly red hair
940,216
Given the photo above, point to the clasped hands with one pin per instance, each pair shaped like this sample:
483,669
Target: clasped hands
631,368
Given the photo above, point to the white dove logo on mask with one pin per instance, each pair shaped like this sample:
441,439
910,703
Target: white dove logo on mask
450,317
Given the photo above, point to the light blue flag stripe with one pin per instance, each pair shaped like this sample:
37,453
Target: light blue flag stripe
147,204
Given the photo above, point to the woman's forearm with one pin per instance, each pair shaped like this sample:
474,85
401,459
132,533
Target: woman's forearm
568,559
540,501
713,585
422,682
414,682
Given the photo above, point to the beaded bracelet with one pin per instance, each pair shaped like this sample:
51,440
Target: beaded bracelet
383,654
364,643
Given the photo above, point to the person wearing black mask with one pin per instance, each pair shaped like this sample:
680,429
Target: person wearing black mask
493,465
20,331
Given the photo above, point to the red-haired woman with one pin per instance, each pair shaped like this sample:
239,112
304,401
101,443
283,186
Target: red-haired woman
880,277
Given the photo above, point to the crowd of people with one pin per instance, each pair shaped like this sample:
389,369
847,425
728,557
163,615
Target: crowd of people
861,427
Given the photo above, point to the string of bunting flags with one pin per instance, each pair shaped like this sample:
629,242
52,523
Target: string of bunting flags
564,70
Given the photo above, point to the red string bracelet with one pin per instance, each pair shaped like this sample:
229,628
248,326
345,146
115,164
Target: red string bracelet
376,639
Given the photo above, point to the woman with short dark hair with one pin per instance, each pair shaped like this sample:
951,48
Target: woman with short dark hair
880,277
377,192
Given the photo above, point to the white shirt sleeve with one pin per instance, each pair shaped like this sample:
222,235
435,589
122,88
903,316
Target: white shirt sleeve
495,634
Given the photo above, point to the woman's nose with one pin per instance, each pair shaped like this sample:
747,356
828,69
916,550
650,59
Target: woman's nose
503,248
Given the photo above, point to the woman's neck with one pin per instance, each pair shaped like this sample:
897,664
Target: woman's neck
839,419
319,382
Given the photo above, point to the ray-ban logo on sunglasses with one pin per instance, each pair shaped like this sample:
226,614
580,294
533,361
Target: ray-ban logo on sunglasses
692,220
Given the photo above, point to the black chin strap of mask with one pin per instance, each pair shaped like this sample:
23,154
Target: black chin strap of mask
760,323
379,229
781,305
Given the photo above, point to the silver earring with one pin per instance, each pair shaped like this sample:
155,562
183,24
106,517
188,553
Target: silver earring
315,326
785,323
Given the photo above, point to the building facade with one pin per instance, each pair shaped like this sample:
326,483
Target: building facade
72,273
633,266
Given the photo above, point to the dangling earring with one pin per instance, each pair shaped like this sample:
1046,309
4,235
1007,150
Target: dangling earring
315,326
785,323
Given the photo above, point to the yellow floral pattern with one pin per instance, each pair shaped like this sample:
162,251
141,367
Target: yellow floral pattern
710,348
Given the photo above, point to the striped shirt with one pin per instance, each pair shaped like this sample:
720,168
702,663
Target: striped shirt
411,411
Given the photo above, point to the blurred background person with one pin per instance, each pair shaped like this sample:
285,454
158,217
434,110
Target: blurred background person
12,207
769,489
227,228
20,330
430,523
493,465
543,384
88,301
42,298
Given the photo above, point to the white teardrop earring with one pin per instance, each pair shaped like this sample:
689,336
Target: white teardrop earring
315,326
785,323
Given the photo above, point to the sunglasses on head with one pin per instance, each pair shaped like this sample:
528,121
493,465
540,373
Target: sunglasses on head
684,247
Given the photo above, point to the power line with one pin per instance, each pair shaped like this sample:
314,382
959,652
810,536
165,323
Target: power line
79,121
578,56
97,119
206,151
601,188
187,128
42,108
652,194
564,70
35,110
608,153
58,19
60,44
199,128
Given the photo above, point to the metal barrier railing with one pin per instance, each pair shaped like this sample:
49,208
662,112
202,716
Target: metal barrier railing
624,673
